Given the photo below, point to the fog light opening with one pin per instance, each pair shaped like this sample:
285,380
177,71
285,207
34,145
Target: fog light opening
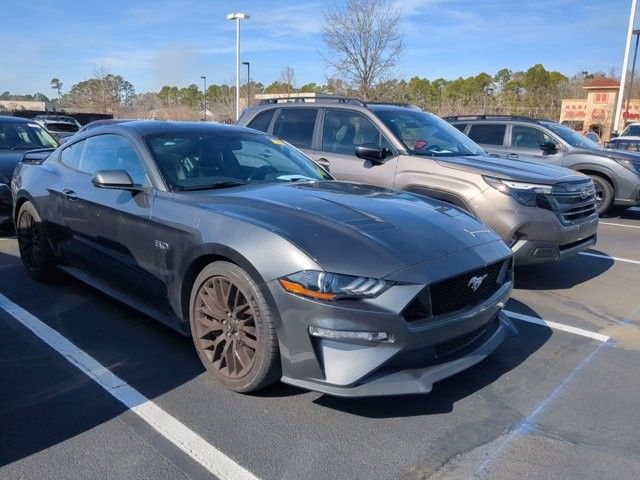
374,337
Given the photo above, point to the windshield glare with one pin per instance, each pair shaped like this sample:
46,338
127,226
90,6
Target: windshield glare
572,137
201,161
425,134
24,136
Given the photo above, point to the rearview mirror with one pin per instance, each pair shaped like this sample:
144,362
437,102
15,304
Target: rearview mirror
372,152
548,147
115,179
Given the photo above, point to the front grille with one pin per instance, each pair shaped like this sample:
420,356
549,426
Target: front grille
573,201
457,293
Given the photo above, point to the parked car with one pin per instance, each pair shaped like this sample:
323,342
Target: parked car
16,136
58,118
58,128
616,175
276,270
543,213
631,131
629,144
96,123
594,137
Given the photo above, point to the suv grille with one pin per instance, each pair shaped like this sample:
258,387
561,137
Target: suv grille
457,293
573,201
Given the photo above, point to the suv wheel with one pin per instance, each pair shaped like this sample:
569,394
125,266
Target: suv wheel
604,194
232,328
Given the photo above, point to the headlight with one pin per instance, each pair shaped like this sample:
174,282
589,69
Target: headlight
632,165
332,286
523,193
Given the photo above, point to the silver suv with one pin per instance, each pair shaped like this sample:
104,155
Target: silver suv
544,213
616,175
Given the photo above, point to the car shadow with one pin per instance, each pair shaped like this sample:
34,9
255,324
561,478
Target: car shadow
561,275
628,214
513,352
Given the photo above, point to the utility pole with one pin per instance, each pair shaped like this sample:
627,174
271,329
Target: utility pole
625,64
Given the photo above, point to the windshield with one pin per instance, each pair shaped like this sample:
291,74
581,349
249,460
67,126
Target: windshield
202,161
631,131
24,136
425,134
572,137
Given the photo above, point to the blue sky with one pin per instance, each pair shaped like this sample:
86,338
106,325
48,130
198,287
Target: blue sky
156,42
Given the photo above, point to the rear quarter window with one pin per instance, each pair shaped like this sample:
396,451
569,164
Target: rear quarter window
460,126
488,133
262,120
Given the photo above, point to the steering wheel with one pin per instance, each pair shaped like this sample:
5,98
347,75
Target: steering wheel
262,172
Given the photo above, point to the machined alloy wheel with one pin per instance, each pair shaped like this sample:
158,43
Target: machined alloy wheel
33,244
232,328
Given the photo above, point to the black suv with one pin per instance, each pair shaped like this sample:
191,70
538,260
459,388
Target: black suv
615,174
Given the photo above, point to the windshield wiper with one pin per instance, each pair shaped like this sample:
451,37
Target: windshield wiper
213,186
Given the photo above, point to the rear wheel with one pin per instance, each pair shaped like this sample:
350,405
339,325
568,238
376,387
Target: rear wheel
604,194
232,328
33,244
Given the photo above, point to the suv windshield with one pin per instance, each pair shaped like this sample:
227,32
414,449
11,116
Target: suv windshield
209,160
572,137
425,134
24,136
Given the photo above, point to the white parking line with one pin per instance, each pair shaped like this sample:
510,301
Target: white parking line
608,257
619,224
169,427
558,326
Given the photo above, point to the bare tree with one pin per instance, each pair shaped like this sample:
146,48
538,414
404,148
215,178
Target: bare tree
363,41
288,78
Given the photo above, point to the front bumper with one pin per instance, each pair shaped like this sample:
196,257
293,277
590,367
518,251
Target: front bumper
420,354
6,203
532,252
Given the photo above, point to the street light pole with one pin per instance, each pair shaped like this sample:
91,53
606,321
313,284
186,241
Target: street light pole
248,82
237,17
625,63
204,97
633,70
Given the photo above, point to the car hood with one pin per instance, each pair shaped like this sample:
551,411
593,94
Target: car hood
611,153
517,170
352,228
8,161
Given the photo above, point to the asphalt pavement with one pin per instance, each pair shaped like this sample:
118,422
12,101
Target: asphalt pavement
558,401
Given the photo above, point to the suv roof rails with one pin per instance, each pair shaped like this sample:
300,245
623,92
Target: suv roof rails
316,99
394,104
522,118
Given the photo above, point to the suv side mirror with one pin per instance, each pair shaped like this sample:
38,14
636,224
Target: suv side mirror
372,152
115,179
548,147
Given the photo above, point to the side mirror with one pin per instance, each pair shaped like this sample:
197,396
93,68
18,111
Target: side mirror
115,179
372,152
548,147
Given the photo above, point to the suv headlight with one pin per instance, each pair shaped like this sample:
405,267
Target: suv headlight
332,286
632,165
523,193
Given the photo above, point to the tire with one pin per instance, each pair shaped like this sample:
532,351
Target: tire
35,250
604,194
232,328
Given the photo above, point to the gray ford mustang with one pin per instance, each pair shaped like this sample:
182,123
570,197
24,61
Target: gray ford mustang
276,270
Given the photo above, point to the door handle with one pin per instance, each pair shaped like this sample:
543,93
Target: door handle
69,194
512,155
324,163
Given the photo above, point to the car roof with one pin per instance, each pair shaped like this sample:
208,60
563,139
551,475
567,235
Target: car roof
9,119
150,127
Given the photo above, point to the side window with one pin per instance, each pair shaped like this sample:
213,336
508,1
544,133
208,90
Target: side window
488,133
343,130
528,137
262,120
460,126
295,125
70,156
111,152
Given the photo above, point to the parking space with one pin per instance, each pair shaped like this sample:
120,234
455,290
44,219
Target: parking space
547,404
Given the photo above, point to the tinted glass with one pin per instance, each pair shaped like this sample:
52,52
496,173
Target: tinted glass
460,126
572,137
528,137
62,127
262,120
203,161
295,125
425,134
70,156
343,130
488,133
111,152
24,136
631,131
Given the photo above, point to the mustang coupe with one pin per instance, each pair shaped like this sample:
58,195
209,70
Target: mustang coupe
277,271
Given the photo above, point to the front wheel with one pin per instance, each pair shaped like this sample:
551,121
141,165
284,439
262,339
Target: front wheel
33,244
232,328
604,194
